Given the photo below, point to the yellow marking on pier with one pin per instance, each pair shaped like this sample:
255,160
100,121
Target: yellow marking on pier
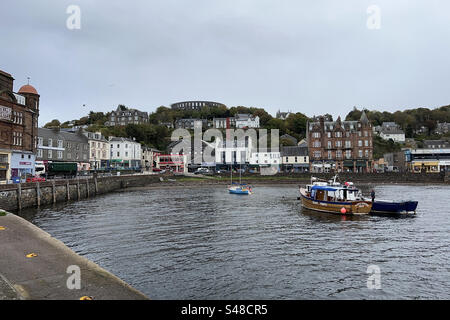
2,228
86,298
31,255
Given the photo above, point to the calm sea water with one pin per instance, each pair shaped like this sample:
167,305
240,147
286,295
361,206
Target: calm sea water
203,243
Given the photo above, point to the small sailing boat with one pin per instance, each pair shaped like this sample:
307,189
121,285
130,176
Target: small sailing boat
240,188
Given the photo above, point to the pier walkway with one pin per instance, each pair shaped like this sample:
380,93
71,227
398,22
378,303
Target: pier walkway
34,265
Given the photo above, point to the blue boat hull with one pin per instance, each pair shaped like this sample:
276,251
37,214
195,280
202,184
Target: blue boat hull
393,207
239,192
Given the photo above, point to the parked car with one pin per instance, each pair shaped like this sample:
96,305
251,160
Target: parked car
35,179
202,171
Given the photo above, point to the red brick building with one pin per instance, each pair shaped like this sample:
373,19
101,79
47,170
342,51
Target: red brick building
340,146
19,114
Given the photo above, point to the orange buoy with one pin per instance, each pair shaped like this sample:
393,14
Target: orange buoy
343,210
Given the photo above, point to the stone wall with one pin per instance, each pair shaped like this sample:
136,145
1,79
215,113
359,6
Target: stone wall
19,196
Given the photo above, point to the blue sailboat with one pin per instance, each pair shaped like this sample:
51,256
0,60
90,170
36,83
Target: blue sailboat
239,188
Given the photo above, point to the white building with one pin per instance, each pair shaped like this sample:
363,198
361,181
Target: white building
246,121
125,153
148,158
237,152
99,150
265,158
391,130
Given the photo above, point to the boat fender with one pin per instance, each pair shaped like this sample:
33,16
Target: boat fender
343,210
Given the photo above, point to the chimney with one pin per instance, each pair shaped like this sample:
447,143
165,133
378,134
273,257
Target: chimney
322,123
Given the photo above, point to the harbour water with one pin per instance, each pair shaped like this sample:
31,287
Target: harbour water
204,243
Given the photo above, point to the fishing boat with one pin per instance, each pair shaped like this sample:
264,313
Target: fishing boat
333,197
393,207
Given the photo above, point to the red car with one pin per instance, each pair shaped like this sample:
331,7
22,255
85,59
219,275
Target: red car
35,179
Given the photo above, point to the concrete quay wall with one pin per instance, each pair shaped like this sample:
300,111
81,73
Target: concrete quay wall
25,195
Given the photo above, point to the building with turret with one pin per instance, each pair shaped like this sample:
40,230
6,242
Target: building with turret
340,146
19,113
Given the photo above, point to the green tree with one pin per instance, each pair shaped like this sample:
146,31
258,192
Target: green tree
53,124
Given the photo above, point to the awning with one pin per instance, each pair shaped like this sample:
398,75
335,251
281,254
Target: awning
348,163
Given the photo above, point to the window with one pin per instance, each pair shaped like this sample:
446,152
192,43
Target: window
118,154
348,144
39,153
50,142
316,144
126,153
59,154
360,143
366,143
316,134
366,133
40,141
339,154
317,154
50,155
360,153
338,134
367,153
329,144
348,154
339,143
330,156
329,134
295,159
60,143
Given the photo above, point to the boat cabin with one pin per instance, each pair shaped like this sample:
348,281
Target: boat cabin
333,193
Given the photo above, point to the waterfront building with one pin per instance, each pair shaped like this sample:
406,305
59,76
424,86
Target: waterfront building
19,113
295,158
428,160
265,159
56,145
194,158
99,150
148,158
340,146
123,116
171,162
195,105
234,153
246,121
391,130
395,161
125,153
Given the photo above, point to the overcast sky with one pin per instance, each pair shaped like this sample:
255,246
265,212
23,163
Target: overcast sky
313,57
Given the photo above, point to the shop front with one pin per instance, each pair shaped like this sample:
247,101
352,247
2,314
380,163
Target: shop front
22,165
425,166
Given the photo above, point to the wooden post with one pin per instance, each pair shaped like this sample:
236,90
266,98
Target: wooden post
68,190
38,194
53,192
19,196
96,185
87,188
78,189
